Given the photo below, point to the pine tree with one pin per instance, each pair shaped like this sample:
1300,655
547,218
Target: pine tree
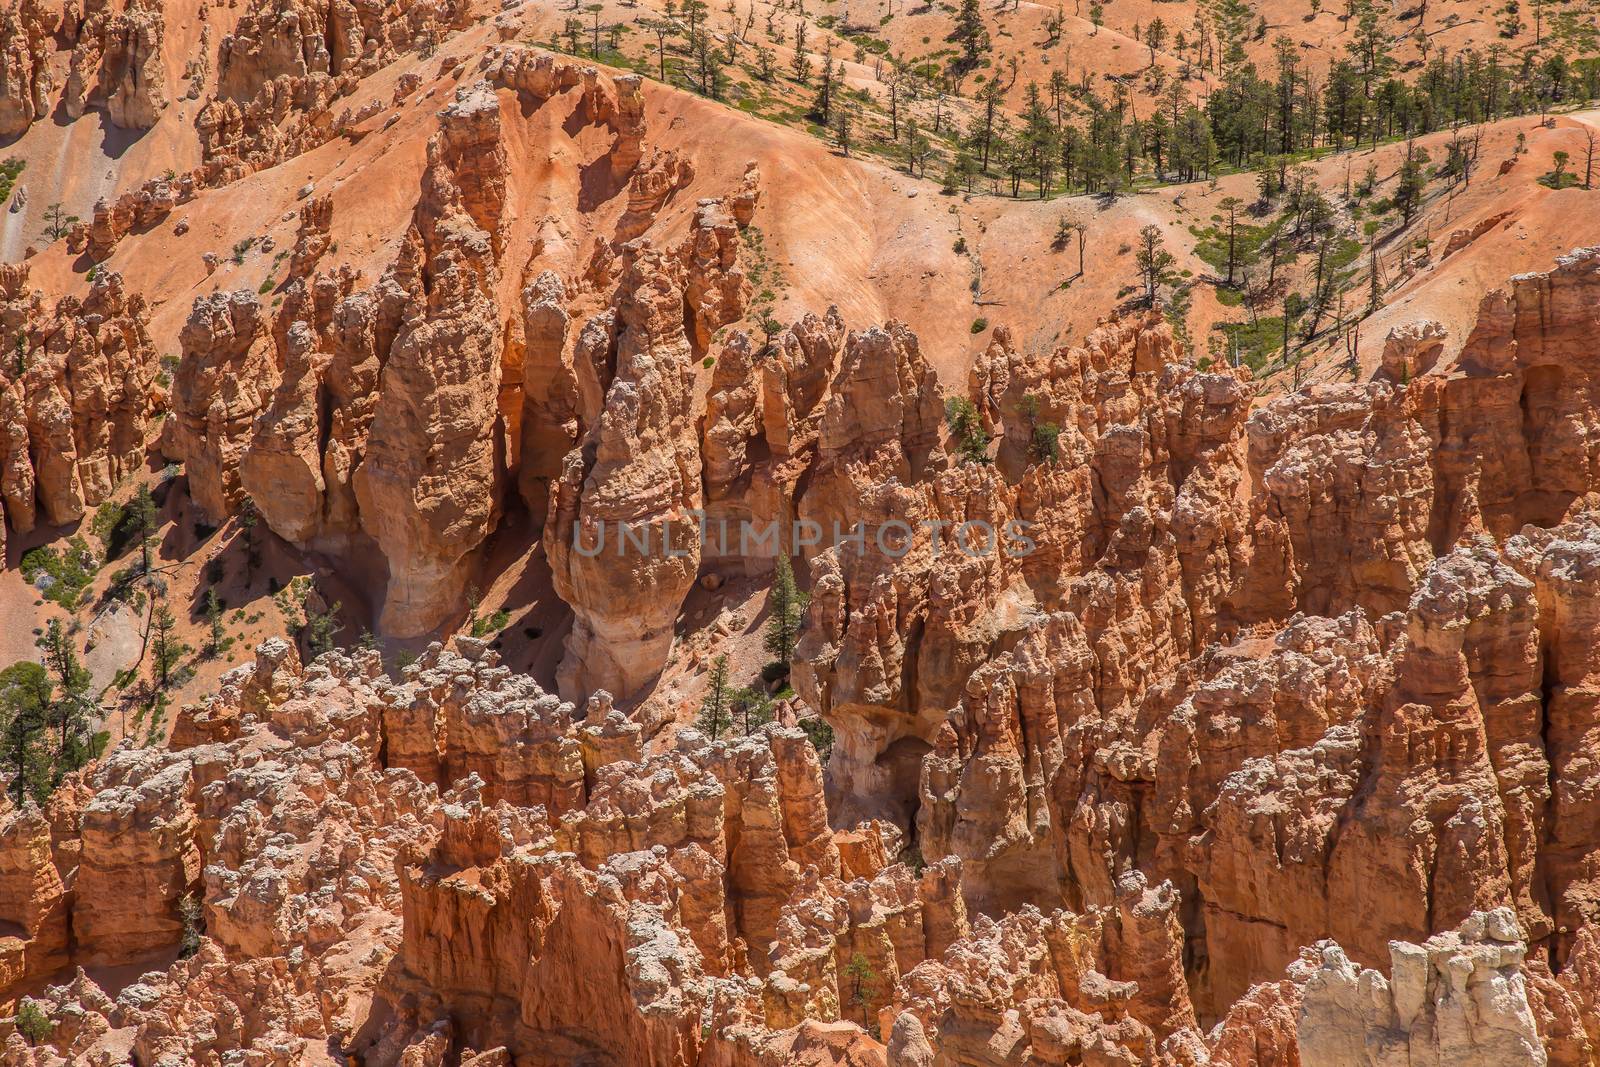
800,63
32,1022
822,107
1559,174
192,921
863,982
26,694
69,716
1155,36
750,709
1154,261
213,611
57,223
843,126
713,716
321,626
249,520
143,522
971,34
1413,182
962,420
164,645
786,605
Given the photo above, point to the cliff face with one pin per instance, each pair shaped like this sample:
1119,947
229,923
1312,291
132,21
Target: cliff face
1170,724
394,415
456,861
24,53
78,395
1141,762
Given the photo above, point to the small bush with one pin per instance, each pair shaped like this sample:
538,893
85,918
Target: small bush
979,324
1045,446
32,1023
108,527
972,440
491,624
820,734
67,573
192,918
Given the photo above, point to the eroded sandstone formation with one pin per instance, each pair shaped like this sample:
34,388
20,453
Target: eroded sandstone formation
25,78
398,414
1170,724
78,396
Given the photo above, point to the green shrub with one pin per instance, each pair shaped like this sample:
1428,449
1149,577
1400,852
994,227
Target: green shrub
32,1023
1045,444
491,624
70,571
192,919
972,440
820,734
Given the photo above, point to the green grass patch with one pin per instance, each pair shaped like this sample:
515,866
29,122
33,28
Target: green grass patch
1346,251
1256,342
